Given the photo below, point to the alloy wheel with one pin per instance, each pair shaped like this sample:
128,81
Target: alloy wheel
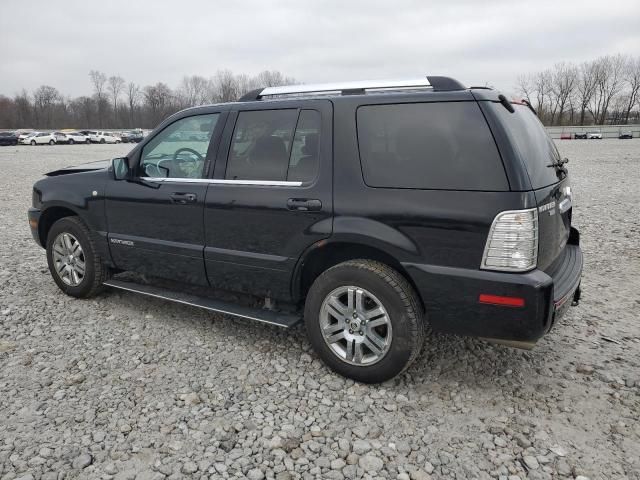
69,259
355,325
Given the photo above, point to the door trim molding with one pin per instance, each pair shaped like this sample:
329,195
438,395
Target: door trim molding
263,183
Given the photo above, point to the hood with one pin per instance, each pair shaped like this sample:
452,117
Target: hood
85,167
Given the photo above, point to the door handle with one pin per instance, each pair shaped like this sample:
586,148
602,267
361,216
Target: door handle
304,204
183,198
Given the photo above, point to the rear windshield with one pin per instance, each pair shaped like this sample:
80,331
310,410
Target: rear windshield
533,144
443,146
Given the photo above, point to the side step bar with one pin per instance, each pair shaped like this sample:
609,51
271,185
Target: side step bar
280,319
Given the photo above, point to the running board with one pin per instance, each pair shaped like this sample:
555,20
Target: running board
280,319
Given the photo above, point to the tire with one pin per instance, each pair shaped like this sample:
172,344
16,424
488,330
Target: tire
33,143
102,140
403,332
95,271
88,141
71,141
51,142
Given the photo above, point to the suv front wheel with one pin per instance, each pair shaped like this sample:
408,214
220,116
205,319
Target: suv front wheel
74,263
364,320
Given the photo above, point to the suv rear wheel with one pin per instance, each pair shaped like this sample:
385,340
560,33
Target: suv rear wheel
363,319
74,263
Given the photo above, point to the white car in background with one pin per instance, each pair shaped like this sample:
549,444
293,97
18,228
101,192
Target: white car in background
73,137
39,138
105,137
595,135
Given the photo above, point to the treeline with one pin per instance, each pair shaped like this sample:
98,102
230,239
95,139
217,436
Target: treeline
116,103
604,91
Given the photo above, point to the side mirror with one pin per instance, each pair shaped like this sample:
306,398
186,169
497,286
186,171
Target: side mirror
121,169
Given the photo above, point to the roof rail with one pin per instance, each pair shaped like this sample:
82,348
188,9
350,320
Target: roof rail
355,88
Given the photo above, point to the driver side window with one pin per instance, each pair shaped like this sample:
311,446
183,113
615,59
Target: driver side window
180,150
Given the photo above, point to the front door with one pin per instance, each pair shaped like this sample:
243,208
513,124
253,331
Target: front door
155,221
271,196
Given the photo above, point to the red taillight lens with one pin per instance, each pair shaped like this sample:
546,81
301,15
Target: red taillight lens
501,301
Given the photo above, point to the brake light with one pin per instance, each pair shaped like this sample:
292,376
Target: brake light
501,301
512,244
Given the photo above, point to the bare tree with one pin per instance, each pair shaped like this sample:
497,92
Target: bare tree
225,87
44,99
23,109
563,82
115,87
586,86
133,95
632,80
542,88
99,79
609,82
193,91
525,87
158,98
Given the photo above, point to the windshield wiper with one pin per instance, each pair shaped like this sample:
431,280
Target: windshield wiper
559,165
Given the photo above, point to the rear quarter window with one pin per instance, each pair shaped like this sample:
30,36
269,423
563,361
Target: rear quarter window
444,146
532,143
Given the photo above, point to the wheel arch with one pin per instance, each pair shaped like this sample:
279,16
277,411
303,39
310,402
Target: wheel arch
50,216
325,254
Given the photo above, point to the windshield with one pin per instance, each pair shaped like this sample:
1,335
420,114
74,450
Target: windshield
534,146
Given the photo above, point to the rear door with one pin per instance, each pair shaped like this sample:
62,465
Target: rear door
271,197
538,155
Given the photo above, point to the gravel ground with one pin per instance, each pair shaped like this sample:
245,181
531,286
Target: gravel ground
130,387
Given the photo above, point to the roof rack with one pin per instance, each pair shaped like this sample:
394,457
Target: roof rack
355,88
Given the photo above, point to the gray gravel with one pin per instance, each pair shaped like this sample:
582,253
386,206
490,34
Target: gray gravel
128,387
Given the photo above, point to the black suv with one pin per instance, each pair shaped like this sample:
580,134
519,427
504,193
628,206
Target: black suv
369,209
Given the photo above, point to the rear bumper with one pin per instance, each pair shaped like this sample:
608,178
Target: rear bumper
451,297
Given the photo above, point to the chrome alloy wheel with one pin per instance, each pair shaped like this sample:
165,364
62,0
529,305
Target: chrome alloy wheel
68,259
355,325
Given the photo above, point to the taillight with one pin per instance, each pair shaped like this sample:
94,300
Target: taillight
512,244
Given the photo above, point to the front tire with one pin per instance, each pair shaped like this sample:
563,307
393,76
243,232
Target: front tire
71,141
74,263
364,320
102,140
33,143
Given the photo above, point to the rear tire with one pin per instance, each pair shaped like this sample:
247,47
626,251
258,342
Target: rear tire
102,140
381,296
71,141
70,237
51,142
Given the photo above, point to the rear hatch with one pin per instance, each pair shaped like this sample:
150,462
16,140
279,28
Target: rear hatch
549,178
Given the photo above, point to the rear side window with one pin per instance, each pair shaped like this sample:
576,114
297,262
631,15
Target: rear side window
445,146
275,145
533,144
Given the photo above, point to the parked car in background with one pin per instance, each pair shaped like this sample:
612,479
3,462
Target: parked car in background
60,137
8,138
580,136
565,136
627,134
76,137
104,137
88,133
125,137
39,138
594,135
22,134
136,136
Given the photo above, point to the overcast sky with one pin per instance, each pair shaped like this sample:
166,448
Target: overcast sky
477,42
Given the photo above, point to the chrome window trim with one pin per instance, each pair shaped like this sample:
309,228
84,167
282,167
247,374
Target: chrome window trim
261,183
